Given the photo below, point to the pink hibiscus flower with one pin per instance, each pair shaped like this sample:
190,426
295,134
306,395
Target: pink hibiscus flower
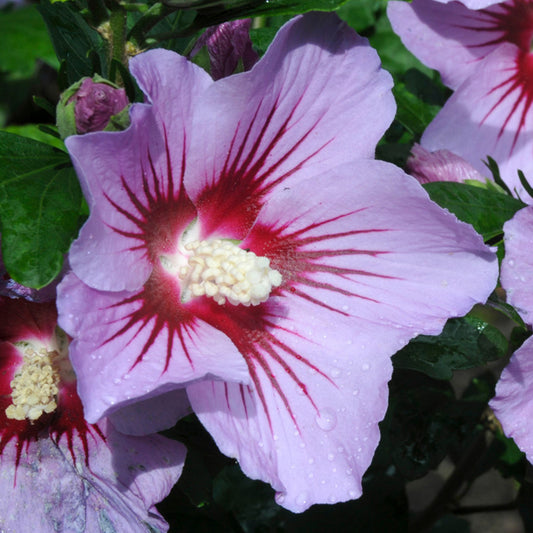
484,55
244,244
513,402
59,473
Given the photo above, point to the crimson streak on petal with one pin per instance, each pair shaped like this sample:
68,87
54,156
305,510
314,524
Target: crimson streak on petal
232,200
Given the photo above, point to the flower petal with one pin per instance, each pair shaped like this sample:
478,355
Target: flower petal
116,491
517,264
513,402
124,350
448,37
371,264
148,416
317,98
126,175
499,125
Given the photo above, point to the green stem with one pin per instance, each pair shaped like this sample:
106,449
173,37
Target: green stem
117,22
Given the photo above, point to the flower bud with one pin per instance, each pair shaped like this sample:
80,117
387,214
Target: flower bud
89,105
228,44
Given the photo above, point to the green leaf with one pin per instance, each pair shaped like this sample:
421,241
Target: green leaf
40,201
77,45
486,209
464,343
361,15
33,131
217,11
413,113
24,41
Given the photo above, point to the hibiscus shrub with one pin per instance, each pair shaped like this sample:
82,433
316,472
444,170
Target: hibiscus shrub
265,265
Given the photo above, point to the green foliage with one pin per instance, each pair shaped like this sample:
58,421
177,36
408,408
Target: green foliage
39,208
24,41
485,208
464,343
79,48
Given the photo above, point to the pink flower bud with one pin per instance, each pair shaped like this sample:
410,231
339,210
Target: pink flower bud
226,44
95,104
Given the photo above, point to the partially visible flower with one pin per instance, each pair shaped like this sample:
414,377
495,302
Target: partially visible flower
484,55
244,244
513,402
227,44
88,106
441,165
473,4
57,472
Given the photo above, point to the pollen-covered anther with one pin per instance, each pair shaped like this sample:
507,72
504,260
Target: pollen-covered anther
223,271
35,385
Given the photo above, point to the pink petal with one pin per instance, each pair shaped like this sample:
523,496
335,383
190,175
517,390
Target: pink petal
447,37
513,402
124,174
128,346
316,99
116,490
371,264
148,416
490,115
473,4
517,265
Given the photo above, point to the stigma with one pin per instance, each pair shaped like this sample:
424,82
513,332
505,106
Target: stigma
221,270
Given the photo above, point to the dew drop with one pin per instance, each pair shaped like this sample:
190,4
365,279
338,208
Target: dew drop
355,392
352,494
332,499
365,367
301,499
326,420
331,456
335,373
117,381
310,475
510,263
275,437
311,461
280,498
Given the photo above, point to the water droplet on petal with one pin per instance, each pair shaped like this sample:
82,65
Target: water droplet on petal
335,373
355,392
510,263
331,456
301,499
117,381
311,461
365,366
352,494
326,420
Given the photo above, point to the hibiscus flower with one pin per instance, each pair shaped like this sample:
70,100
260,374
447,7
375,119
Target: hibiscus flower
513,402
59,473
484,55
243,244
